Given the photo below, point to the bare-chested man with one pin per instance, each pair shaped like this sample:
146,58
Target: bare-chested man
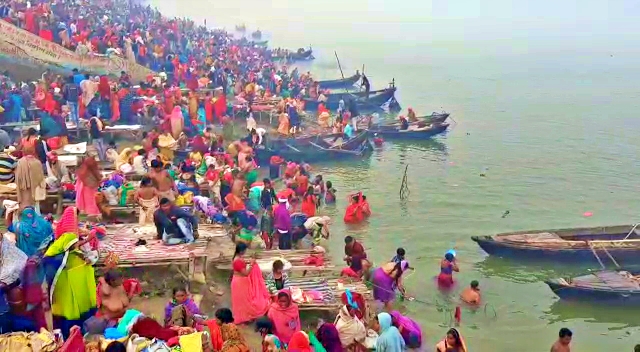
471,294
239,183
147,198
163,181
564,341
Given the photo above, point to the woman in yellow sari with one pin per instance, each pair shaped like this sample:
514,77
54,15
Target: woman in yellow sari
283,127
124,159
167,145
71,281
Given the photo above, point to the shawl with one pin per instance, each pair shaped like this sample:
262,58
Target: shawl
29,173
390,339
68,222
286,321
167,141
329,338
189,305
233,339
33,231
12,262
349,328
299,342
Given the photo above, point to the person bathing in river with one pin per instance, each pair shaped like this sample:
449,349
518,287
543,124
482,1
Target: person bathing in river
453,342
355,211
386,279
447,266
471,294
563,344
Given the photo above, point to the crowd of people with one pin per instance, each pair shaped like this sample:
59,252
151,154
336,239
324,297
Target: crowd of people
204,76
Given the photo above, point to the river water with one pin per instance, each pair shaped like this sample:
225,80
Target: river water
545,100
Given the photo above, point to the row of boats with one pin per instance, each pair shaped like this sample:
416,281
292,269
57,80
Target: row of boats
335,146
618,246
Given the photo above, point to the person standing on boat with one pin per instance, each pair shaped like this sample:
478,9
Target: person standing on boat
563,344
366,85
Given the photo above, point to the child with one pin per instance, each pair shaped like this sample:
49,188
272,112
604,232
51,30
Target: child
330,194
266,227
179,311
112,152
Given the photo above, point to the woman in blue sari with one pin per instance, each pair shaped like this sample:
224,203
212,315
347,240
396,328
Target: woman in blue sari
33,232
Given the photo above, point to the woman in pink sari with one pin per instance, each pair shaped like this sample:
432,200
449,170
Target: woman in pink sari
285,315
177,122
89,178
249,295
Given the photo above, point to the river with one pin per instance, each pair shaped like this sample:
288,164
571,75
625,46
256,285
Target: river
545,99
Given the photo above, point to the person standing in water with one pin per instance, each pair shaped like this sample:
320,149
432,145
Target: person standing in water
563,344
447,266
471,294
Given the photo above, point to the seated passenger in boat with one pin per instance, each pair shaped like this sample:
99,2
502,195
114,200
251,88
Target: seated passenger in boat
411,115
404,123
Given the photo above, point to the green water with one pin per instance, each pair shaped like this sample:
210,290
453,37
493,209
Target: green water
542,108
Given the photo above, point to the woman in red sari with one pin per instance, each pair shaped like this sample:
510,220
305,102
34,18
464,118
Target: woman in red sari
87,184
354,212
249,295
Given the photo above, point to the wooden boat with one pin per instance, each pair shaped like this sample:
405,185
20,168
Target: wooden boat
316,148
413,132
376,98
423,121
611,287
579,245
260,42
300,55
256,35
241,28
339,83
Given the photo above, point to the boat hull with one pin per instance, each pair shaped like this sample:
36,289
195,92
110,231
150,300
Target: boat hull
581,256
339,83
590,294
376,99
313,149
392,133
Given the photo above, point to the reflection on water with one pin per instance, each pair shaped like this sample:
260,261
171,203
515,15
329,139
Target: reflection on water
518,272
564,311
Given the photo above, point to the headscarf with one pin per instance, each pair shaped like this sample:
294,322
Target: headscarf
349,327
233,339
123,158
33,231
68,222
411,332
299,342
273,343
329,337
442,345
89,168
389,339
286,321
104,88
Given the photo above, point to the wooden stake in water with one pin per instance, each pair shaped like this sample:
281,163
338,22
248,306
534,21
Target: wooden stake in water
404,187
